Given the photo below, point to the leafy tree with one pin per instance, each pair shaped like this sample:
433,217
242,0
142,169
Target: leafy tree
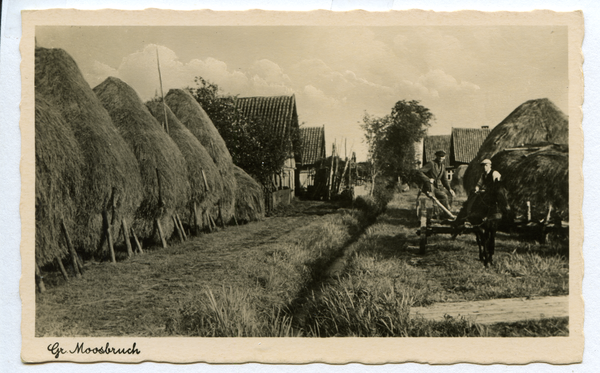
391,139
250,142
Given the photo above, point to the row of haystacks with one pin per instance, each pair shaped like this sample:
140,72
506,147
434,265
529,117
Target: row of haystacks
162,166
249,205
110,172
538,174
533,122
191,114
103,158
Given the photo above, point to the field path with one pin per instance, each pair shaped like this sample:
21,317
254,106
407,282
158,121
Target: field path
498,310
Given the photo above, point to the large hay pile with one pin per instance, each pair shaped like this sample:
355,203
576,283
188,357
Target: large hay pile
538,176
58,166
191,114
196,157
533,122
249,197
109,163
156,153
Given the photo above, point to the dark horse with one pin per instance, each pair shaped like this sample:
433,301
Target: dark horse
485,213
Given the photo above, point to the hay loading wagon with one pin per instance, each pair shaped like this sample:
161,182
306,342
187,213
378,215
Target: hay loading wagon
539,198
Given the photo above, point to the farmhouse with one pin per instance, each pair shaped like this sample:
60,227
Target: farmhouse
281,114
312,142
461,147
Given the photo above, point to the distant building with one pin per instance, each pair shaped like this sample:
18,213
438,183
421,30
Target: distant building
461,147
312,142
280,112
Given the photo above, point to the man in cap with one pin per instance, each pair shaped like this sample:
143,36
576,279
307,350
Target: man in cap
435,179
490,190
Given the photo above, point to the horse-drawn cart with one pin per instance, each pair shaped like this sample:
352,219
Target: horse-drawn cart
431,213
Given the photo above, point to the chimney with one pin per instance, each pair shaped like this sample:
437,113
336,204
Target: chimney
485,127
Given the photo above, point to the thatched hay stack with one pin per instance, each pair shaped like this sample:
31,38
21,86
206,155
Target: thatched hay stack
535,121
156,153
58,179
249,197
191,114
109,163
541,177
196,157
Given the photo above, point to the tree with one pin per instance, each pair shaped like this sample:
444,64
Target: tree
391,139
250,142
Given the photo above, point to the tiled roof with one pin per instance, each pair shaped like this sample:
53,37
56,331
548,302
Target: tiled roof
432,144
312,140
466,143
280,111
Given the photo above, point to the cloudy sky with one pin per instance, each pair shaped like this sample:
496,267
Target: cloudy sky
467,76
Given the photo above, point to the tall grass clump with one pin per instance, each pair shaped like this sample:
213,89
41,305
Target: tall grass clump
229,312
353,310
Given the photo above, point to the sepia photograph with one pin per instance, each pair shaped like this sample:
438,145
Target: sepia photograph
345,179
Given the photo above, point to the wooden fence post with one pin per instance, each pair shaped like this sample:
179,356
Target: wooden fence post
177,228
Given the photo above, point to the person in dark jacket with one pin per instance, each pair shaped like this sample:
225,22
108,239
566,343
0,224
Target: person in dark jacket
435,179
490,190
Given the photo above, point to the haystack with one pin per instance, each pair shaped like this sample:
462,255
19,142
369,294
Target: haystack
191,114
163,169
533,122
538,174
58,166
249,197
201,169
111,171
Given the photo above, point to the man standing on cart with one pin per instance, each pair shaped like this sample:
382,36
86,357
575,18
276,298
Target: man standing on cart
490,191
435,180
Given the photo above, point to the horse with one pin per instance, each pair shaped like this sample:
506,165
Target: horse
485,215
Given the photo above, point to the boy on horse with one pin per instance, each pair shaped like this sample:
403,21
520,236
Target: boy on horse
435,179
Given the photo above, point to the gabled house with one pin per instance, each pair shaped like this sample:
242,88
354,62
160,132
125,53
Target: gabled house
312,142
465,144
461,147
281,114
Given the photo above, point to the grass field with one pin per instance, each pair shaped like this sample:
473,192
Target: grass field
311,270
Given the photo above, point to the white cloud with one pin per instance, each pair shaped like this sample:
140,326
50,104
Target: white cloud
437,81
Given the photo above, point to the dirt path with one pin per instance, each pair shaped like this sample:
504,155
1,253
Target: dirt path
498,310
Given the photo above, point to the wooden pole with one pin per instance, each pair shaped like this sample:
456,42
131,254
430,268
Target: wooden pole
204,179
196,219
161,234
528,211
181,226
212,221
126,238
177,228
137,242
162,95
235,220
62,269
330,181
39,279
109,237
205,218
221,216
71,250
